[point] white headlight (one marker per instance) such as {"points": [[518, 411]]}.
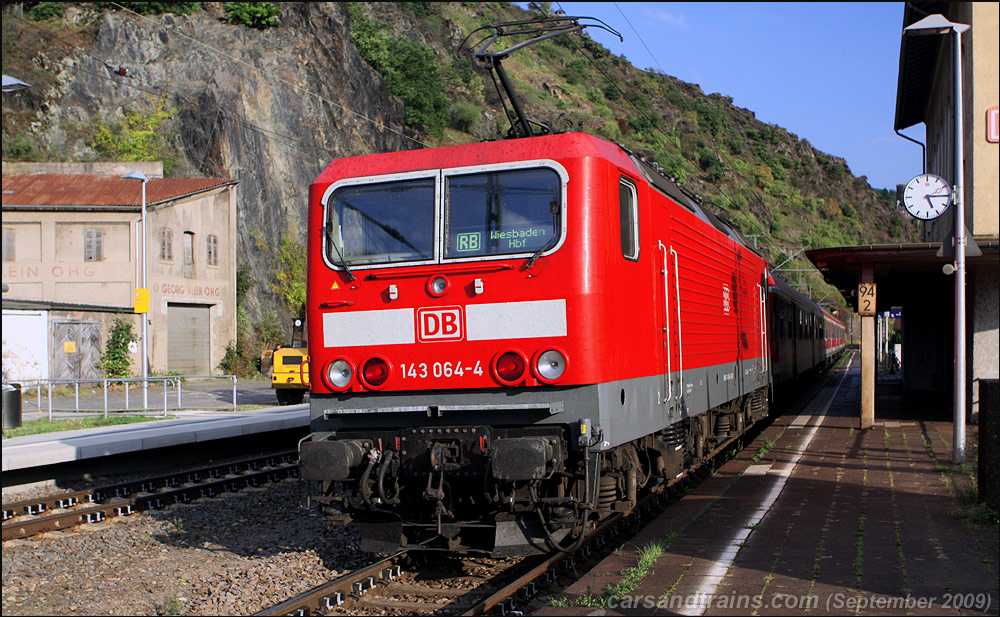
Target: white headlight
{"points": [[339, 373], [550, 365], [439, 285]]}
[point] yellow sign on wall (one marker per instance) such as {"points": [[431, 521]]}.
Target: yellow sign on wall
{"points": [[69, 347], [141, 301]]}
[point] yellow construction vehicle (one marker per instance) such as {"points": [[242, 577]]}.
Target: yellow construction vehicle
{"points": [[290, 373]]}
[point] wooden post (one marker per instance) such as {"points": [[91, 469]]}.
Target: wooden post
{"points": [[867, 311]]}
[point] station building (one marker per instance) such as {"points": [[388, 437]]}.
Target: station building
{"points": [[920, 277], [72, 259]]}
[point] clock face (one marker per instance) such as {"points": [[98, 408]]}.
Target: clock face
{"points": [[927, 196]]}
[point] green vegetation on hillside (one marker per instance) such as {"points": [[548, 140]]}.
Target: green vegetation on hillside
{"points": [[410, 71], [141, 136]]}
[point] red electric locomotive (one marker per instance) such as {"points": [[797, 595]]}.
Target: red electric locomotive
{"points": [[508, 340]]}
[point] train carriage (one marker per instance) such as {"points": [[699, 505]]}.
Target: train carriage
{"points": [[509, 339], [804, 337], [835, 335]]}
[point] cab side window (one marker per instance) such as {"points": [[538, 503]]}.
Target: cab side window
{"points": [[628, 216]]}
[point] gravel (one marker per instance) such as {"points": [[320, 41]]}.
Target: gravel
{"points": [[235, 554]]}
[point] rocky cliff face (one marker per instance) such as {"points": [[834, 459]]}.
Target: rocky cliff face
{"points": [[270, 108]]}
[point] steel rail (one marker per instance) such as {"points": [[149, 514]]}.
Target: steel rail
{"points": [[149, 494], [341, 590]]}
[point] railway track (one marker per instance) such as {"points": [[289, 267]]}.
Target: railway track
{"points": [[424, 582], [26, 518], [427, 582]]}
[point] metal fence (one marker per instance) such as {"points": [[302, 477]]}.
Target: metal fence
{"points": [[132, 395]]}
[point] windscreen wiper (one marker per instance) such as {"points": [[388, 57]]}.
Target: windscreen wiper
{"points": [[328, 228], [554, 209]]}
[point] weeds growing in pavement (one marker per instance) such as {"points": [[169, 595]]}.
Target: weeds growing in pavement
{"points": [[900, 555], [859, 551], [631, 577], [764, 449]]}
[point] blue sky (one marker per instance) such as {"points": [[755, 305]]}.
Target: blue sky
{"points": [[824, 71]]}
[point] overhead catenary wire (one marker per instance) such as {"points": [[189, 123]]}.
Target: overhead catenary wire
{"points": [[656, 127], [655, 124]]}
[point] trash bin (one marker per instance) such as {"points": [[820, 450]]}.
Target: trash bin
{"points": [[11, 405]]}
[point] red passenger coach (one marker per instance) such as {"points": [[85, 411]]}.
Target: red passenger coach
{"points": [[509, 339], [836, 336]]}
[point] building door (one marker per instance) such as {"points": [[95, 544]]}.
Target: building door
{"points": [[25, 345], [188, 339], [76, 350]]}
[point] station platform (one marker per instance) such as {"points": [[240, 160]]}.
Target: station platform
{"points": [[815, 517], [186, 428]]}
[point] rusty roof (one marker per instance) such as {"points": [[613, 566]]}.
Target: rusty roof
{"points": [[60, 191]]}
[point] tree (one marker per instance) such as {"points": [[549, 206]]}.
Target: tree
{"points": [[116, 361]]}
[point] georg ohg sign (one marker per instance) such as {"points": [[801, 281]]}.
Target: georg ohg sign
{"points": [[194, 291], [440, 324]]}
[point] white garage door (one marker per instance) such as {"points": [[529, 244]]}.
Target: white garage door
{"points": [[188, 339]]}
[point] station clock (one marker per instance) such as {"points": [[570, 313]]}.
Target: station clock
{"points": [[927, 196]]}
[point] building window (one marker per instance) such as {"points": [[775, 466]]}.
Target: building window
{"points": [[93, 244], [188, 248], [213, 250], [8, 244], [166, 244], [189, 255]]}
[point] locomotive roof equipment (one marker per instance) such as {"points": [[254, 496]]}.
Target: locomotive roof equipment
{"points": [[539, 29]]}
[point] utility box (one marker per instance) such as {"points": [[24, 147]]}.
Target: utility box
{"points": [[11, 405]]}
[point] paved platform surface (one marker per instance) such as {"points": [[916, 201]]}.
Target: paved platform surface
{"points": [[200, 422], [816, 517]]}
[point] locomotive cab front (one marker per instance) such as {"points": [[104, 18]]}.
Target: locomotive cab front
{"points": [[441, 304]]}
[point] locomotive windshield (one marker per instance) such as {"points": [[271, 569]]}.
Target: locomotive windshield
{"points": [[485, 214], [502, 213], [382, 223]]}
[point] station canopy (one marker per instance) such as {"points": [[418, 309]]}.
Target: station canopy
{"points": [[899, 269]]}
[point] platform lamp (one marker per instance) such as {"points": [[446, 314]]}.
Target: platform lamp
{"points": [[934, 25], [142, 294]]}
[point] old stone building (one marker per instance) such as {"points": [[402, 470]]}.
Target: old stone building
{"points": [[72, 261]]}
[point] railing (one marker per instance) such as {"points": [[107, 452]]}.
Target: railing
{"points": [[230, 377], [111, 399]]}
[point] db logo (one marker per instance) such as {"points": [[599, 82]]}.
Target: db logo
{"points": [[441, 324]]}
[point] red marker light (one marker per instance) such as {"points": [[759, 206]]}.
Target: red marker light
{"points": [[510, 367], [375, 372]]}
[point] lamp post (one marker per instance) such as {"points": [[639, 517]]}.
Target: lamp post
{"points": [[13, 84], [142, 294], [934, 25]]}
